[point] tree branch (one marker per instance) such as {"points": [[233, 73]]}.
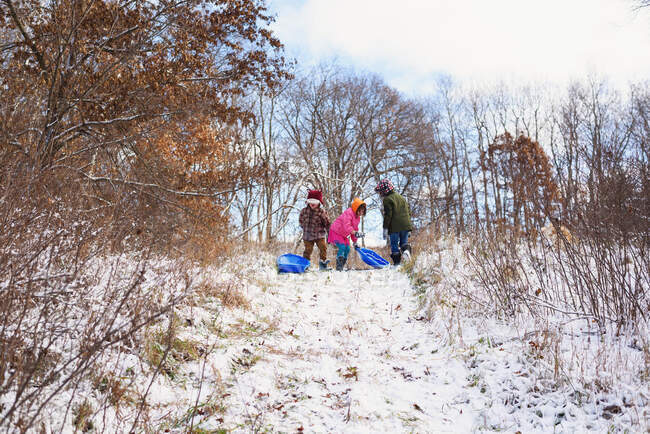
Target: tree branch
{"points": [[28, 40]]}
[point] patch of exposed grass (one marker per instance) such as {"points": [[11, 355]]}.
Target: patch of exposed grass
{"points": [[198, 430], [644, 375], [407, 419], [41, 363], [213, 326], [229, 294], [349, 373], [409, 267], [243, 362], [178, 350], [473, 380], [82, 417], [199, 413], [117, 390], [251, 329]]}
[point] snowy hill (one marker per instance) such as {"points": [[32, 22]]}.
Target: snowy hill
{"points": [[364, 351], [392, 350]]}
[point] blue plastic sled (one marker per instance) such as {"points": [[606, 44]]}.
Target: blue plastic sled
{"points": [[291, 263], [371, 258]]}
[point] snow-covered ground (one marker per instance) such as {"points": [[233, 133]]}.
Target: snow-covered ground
{"points": [[408, 349], [349, 354], [367, 351]]}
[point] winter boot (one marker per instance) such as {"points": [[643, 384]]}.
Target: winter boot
{"points": [[323, 265], [396, 257], [340, 262], [406, 252]]}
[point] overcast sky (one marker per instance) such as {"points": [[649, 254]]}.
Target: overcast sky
{"points": [[411, 42]]}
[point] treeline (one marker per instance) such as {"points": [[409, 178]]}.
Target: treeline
{"points": [[179, 121], [503, 158]]}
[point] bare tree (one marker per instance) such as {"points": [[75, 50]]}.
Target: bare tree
{"points": [[331, 120]]}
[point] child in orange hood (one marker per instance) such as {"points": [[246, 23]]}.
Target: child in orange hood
{"points": [[344, 227]]}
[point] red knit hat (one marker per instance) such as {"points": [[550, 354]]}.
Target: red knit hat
{"points": [[384, 187], [316, 194]]}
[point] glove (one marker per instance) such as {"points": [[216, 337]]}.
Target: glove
{"points": [[359, 234], [385, 235], [356, 246]]}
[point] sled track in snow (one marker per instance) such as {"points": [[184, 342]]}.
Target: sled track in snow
{"points": [[349, 355]]}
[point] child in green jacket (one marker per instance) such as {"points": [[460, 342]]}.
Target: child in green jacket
{"points": [[397, 221]]}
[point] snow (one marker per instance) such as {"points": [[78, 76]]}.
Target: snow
{"points": [[377, 351], [349, 356], [354, 351]]}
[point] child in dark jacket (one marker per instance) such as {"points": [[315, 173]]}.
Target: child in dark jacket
{"points": [[397, 221], [315, 224]]}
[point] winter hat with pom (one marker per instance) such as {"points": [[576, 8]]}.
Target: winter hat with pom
{"points": [[315, 196], [384, 187]]}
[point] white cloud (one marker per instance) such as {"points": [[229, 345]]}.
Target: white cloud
{"points": [[411, 40]]}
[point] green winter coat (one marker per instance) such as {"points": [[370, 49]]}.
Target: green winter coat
{"points": [[397, 215]]}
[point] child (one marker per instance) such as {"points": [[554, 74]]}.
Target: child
{"points": [[346, 225], [315, 224], [397, 221]]}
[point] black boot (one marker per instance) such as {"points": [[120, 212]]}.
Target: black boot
{"points": [[340, 262], [323, 265], [396, 257]]}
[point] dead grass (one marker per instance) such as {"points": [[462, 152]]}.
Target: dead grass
{"points": [[167, 350], [251, 329], [645, 372], [116, 389], [244, 361], [229, 293], [213, 406], [83, 277], [82, 417]]}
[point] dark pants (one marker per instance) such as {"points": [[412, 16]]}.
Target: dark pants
{"points": [[309, 247], [397, 240]]}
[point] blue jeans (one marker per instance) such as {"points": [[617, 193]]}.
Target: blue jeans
{"points": [[397, 240], [343, 250]]}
